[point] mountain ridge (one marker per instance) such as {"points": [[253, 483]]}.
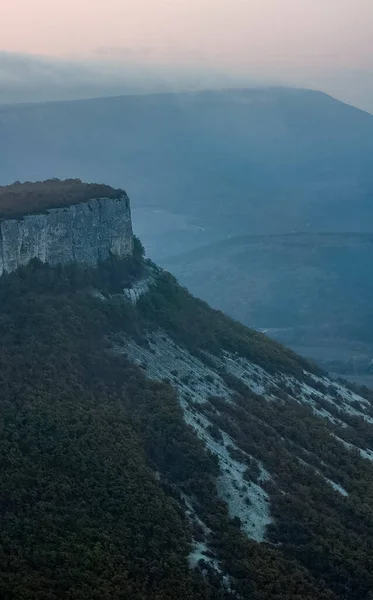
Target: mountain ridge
{"points": [[152, 447], [223, 163], [192, 93], [174, 414]]}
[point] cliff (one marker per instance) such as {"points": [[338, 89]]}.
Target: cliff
{"points": [[87, 233]]}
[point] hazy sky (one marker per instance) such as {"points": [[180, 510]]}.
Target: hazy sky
{"points": [[296, 41]]}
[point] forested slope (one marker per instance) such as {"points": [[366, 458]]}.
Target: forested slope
{"points": [[240, 472]]}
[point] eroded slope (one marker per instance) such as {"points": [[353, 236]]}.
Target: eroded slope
{"points": [[153, 448]]}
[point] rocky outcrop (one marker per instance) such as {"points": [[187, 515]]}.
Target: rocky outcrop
{"points": [[85, 233]]}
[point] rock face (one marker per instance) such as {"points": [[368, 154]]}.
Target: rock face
{"points": [[85, 233]]}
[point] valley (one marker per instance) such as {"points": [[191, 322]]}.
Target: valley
{"points": [[310, 291], [206, 171], [233, 162]]}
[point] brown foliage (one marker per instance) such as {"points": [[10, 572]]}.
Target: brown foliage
{"points": [[19, 199]]}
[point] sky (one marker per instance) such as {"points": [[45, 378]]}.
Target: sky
{"points": [[326, 44]]}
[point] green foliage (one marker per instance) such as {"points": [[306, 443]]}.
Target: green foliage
{"points": [[252, 472], [326, 533], [94, 457], [109, 278], [82, 431]]}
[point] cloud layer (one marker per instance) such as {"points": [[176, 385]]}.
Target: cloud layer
{"points": [[120, 46], [115, 71]]}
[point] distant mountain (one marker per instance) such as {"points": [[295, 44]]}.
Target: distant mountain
{"points": [[201, 166], [312, 291]]}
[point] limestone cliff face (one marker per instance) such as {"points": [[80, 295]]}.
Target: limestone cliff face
{"points": [[86, 233]]}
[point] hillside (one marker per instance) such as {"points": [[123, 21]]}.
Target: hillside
{"points": [[217, 163], [312, 291], [152, 448]]}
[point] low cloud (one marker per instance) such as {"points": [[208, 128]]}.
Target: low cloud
{"points": [[25, 78], [116, 71]]}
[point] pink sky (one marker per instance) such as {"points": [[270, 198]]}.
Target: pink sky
{"points": [[321, 44], [233, 34]]}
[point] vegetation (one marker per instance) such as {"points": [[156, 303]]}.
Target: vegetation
{"points": [[82, 433], [96, 459], [200, 328], [277, 282], [326, 532], [19, 199]]}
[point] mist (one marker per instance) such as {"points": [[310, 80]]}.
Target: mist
{"points": [[27, 78], [115, 71]]}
